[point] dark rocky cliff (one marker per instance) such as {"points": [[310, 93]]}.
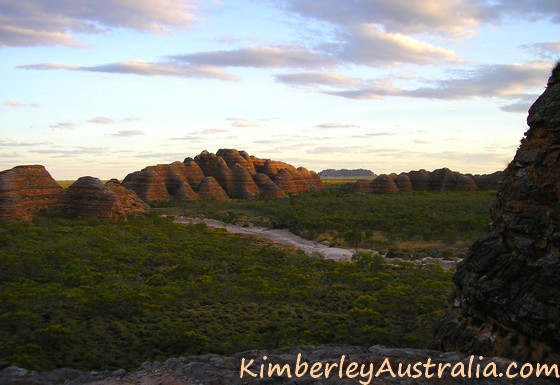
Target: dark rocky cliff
{"points": [[507, 300]]}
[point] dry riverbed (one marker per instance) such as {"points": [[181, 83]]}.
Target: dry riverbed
{"points": [[286, 238]]}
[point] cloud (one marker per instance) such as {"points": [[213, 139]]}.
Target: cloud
{"points": [[128, 133], [161, 155], [201, 135], [454, 17], [373, 135], [528, 10], [257, 57], [13, 103], [371, 45], [422, 141], [521, 105], [338, 150], [21, 144], [316, 78], [56, 22], [242, 123], [141, 68], [545, 50], [64, 125], [101, 120], [78, 151], [508, 81], [336, 125]]}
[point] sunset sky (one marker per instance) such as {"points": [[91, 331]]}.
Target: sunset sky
{"points": [[107, 87]]}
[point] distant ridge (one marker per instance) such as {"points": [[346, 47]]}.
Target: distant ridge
{"points": [[442, 179], [345, 173]]}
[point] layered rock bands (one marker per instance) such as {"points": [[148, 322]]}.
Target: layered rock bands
{"points": [[507, 299], [227, 174], [27, 190], [442, 179]]}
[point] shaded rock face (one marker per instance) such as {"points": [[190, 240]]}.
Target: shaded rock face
{"points": [[213, 369], [442, 179], [507, 300], [420, 180], [211, 189], [489, 181], [164, 182], [88, 197], [128, 201], [238, 175], [404, 183], [446, 180], [25, 191], [384, 184], [242, 185], [267, 186]]}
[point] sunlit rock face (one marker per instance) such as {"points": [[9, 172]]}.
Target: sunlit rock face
{"points": [[507, 300], [25, 191], [237, 174]]}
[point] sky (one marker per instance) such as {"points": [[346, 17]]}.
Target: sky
{"points": [[108, 87]]}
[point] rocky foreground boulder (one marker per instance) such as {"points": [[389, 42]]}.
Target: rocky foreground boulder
{"points": [[220, 370], [507, 300], [226, 174]]}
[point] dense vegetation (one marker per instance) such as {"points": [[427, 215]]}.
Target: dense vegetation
{"points": [[98, 295], [412, 225]]}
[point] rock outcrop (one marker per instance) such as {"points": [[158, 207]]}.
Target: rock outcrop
{"points": [[238, 175], [28, 190], [88, 197], [267, 186], [488, 181], [384, 184], [404, 183], [345, 173], [442, 179], [165, 182], [25, 191], [507, 300], [211, 189], [128, 201], [213, 369]]}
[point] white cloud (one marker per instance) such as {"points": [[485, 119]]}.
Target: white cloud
{"points": [[546, 50], [454, 17], [141, 68], [258, 57], [101, 120], [509, 81], [336, 125], [316, 78], [56, 22], [13, 103], [128, 133], [64, 125], [371, 45], [21, 144], [242, 123], [77, 151], [521, 105]]}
